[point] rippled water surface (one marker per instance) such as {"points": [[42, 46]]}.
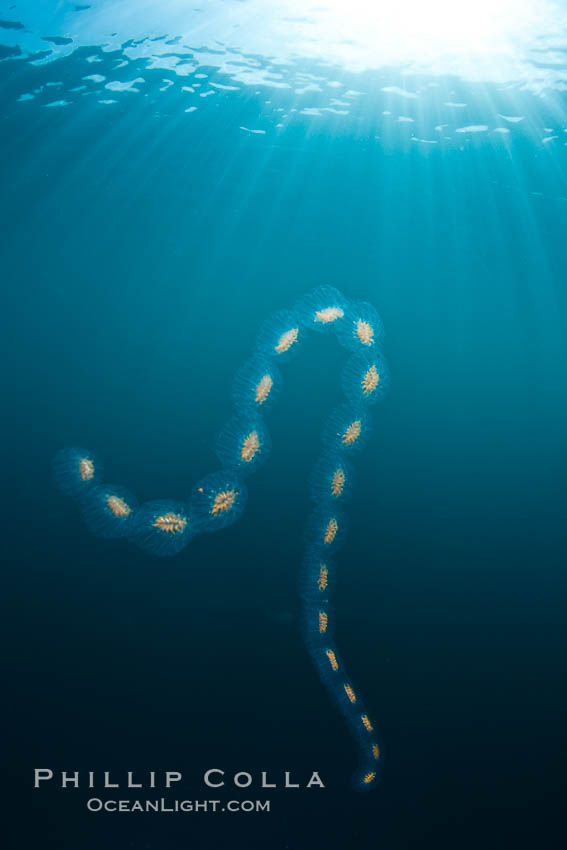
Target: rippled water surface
{"points": [[435, 73]]}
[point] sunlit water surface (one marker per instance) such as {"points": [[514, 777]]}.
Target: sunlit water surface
{"points": [[433, 73]]}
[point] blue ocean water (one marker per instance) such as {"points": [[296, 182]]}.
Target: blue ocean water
{"points": [[143, 245]]}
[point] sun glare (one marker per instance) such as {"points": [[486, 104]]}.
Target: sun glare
{"points": [[482, 38]]}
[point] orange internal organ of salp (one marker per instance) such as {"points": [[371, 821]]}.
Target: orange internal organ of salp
{"points": [[170, 523], [86, 469], [331, 531], [375, 751], [223, 501], [323, 622], [350, 693], [352, 433], [328, 315], [286, 340], [323, 577], [369, 777], [263, 389], [370, 380], [250, 446], [366, 723], [118, 506], [332, 659], [364, 332], [338, 481]]}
